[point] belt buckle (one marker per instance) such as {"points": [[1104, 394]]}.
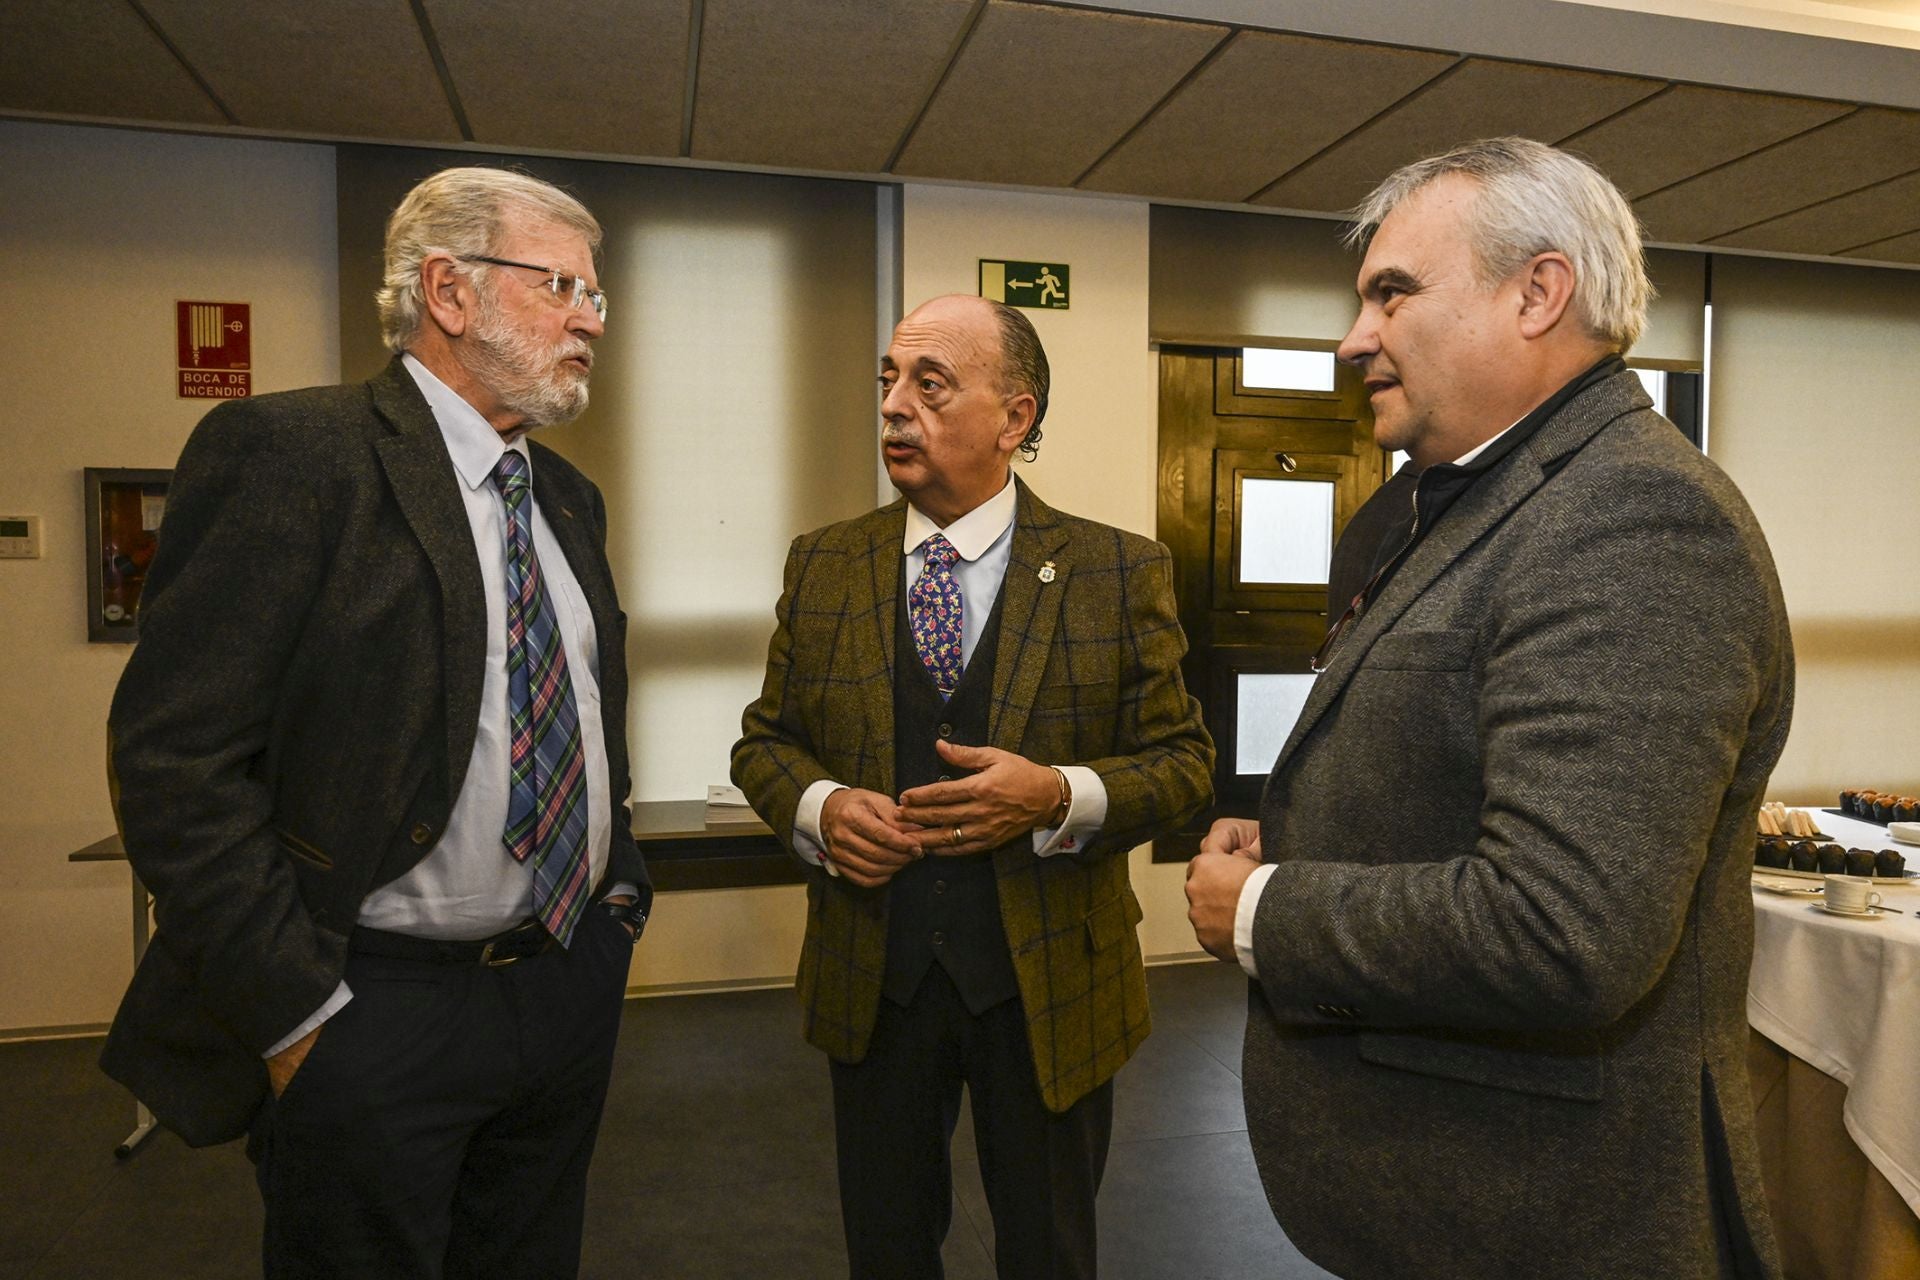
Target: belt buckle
{"points": [[487, 956]]}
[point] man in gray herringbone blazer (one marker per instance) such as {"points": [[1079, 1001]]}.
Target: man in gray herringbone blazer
{"points": [[969, 916], [1496, 903]]}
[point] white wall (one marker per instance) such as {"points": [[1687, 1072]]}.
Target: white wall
{"points": [[1098, 456], [101, 231], [1814, 402]]}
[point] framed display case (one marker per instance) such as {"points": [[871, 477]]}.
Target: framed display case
{"points": [[124, 508]]}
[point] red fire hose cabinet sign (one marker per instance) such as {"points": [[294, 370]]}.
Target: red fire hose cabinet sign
{"points": [[214, 343]]}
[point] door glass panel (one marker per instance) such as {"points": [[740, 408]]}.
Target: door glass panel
{"points": [[1268, 707], [1280, 369], [1655, 381], [1286, 530]]}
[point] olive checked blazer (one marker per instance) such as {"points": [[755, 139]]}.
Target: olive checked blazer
{"points": [[1088, 673]]}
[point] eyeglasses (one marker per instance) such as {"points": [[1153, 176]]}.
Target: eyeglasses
{"points": [[578, 291]]}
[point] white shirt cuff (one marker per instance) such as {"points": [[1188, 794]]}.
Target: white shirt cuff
{"points": [[1243, 916], [335, 1003], [1086, 814], [807, 840]]}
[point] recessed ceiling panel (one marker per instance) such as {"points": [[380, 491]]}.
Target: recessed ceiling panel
{"points": [[1877, 213], [568, 75], [1478, 99], [1267, 103], [93, 58], [818, 84], [358, 68], [1869, 146], [1899, 249], [1038, 94], [1689, 129]]}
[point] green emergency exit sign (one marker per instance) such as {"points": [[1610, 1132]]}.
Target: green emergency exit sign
{"points": [[1025, 284]]}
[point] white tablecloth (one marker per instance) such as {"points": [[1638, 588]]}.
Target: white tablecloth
{"points": [[1844, 995]]}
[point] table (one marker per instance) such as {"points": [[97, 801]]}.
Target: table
{"points": [[111, 850], [1840, 999], [683, 850]]}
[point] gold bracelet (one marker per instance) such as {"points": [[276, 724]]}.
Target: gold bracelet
{"points": [[1066, 793]]}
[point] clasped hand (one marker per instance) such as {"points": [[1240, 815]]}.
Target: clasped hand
{"points": [[1215, 877], [869, 837]]}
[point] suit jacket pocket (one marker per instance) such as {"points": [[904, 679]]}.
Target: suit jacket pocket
{"points": [[1450, 649], [1561, 1064], [1111, 922], [301, 849]]}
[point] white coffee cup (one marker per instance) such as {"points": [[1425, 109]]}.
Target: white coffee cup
{"points": [[1851, 894]]}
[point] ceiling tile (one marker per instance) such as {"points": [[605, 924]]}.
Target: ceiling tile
{"points": [[1478, 99], [1871, 145], [93, 58], [356, 68], [569, 75], [818, 84], [1038, 94], [1690, 129], [1238, 124], [1899, 249], [1881, 211]]}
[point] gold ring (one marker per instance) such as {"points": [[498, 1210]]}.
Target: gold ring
{"points": [[958, 835]]}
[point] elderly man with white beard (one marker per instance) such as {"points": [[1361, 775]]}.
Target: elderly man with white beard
{"points": [[369, 756]]}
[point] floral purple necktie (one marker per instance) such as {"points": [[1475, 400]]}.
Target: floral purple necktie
{"points": [[935, 608]]}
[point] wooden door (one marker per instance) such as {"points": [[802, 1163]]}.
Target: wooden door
{"points": [[1256, 484]]}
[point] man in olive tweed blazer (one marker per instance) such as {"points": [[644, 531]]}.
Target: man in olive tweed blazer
{"points": [[1502, 929], [1084, 672]]}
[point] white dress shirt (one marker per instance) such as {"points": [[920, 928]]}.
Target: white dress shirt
{"points": [[984, 539], [468, 886], [1249, 901]]}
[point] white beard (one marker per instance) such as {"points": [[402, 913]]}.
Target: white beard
{"points": [[529, 379]]}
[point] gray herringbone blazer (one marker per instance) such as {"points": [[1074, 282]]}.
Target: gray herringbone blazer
{"points": [[1501, 1020], [1088, 673]]}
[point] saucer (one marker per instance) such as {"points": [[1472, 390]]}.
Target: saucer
{"points": [[1871, 913]]}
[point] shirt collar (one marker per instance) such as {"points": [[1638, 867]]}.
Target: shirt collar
{"points": [[1486, 444], [472, 443], [973, 533]]}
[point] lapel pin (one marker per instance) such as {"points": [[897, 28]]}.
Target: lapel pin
{"points": [[1046, 572]]}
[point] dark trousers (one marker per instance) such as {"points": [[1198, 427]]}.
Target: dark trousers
{"points": [[893, 1117], [442, 1124]]}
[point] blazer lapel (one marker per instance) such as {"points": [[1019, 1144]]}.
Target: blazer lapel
{"points": [[567, 515], [873, 597], [1482, 508], [1029, 615], [424, 485]]}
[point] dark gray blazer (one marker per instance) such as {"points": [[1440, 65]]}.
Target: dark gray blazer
{"points": [[1500, 1027], [295, 724]]}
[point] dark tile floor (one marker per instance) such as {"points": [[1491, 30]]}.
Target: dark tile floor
{"points": [[715, 1160]]}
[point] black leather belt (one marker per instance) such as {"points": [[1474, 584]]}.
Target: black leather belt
{"points": [[528, 938]]}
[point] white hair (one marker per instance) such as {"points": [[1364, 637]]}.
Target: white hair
{"points": [[1532, 199], [463, 212]]}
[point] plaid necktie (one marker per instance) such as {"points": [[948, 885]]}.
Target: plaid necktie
{"points": [[547, 804], [936, 609]]}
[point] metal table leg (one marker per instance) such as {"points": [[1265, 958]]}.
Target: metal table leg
{"points": [[143, 1122]]}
